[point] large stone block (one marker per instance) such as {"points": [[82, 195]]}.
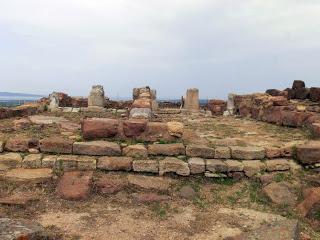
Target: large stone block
{"points": [[216, 166], [95, 128], [175, 128], [136, 151], [97, 97], [134, 127], [315, 94], [156, 131], [21, 144], [10, 160], [200, 151], [115, 163], [150, 183], [309, 153], [277, 165], [192, 100], [86, 163], [173, 165], [97, 148], [141, 113], [38, 175], [56, 145], [253, 167], [173, 149], [248, 153], [151, 166], [197, 165], [234, 166], [32, 161], [142, 103], [66, 163], [222, 153]]}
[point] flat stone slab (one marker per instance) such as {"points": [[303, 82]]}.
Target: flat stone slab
{"points": [[28, 175], [200, 151], [279, 193], [248, 153], [173, 149], [46, 120], [115, 163], [278, 165], [151, 166], [197, 165], [12, 229], [97, 148], [234, 166], [10, 160], [253, 167], [173, 165], [150, 183]]}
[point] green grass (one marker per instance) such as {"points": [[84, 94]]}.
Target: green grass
{"points": [[160, 210]]}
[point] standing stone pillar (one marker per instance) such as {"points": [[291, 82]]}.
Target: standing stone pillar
{"points": [[230, 104], [192, 100], [97, 97], [54, 101]]}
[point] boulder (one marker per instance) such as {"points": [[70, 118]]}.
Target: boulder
{"points": [[248, 153], [200, 151], [97, 97], [280, 194], [56, 145], [22, 229], [173, 165], [21, 144], [277, 165], [222, 153], [175, 129], [150, 183], [136, 151], [309, 153], [75, 185], [38, 175], [115, 163], [32, 161], [134, 127], [173, 149], [216, 166], [197, 165], [151, 166], [311, 198], [95, 128], [97, 148]]}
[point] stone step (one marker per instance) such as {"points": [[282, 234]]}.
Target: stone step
{"points": [[28, 175]]}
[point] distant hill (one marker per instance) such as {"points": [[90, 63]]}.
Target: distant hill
{"points": [[24, 95]]}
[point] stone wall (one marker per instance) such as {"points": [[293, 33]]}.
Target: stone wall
{"points": [[217, 107]]}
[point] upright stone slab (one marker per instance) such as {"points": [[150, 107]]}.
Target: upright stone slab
{"points": [[230, 104], [192, 100], [97, 97]]}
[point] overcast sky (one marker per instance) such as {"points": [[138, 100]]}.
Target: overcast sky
{"points": [[218, 46]]}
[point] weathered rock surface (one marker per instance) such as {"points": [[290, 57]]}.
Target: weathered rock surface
{"points": [[187, 192], [175, 128], [253, 167], [97, 97], [150, 183], [197, 165], [200, 151], [49, 161], [279, 230], [141, 113], [75, 185], [277, 165], [247, 153], [134, 127], [115, 163], [156, 131], [151, 166], [222, 153], [110, 184], [12, 229], [56, 145], [149, 198], [136, 151], [311, 197], [97, 148], [173, 165], [46, 120], [97, 128], [21, 144], [279, 193], [309, 153], [173, 149], [32, 161], [192, 100], [234, 166], [216, 166], [19, 198], [28, 175], [10, 160]]}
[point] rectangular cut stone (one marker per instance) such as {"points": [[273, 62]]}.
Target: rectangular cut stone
{"points": [[192, 100], [86, 163], [97, 128], [216, 166], [253, 167], [278, 165], [115, 163], [309, 153], [32, 161], [56, 145], [173, 165], [234, 166], [196, 165], [151, 166], [49, 161], [200, 151], [156, 131], [97, 148], [248, 153], [136, 151], [173, 149], [222, 153], [67, 162], [273, 152], [10, 160]]}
